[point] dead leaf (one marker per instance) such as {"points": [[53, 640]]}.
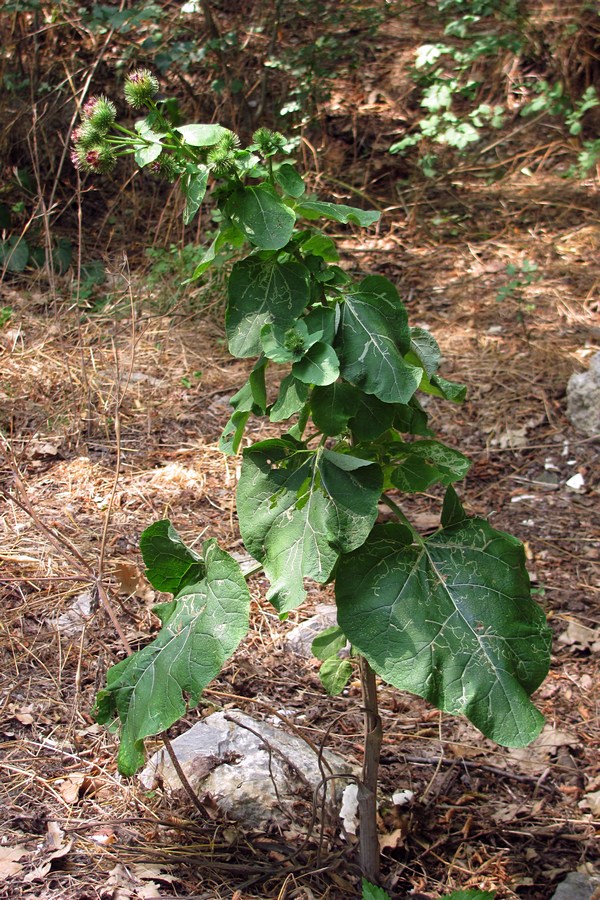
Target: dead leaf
{"points": [[104, 836], [38, 448], [132, 582], [581, 637], [551, 738], [592, 802], [77, 615], [73, 787], [128, 575], [143, 871], [54, 837], [392, 841], [8, 861], [538, 753], [56, 845], [23, 714]]}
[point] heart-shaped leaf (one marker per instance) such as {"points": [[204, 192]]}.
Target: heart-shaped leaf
{"points": [[263, 292], [262, 215], [202, 135], [450, 619], [372, 339]]}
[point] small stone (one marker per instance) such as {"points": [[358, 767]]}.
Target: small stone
{"points": [[78, 614], [575, 482], [583, 399], [299, 639], [576, 886]]}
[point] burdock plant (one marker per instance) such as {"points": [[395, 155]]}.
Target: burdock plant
{"points": [[447, 616]]}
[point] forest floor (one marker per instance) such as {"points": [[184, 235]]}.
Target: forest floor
{"points": [[113, 407], [112, 426]]}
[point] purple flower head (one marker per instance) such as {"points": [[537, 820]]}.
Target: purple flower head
{"points": [[92, 158], [89, 106], [140, 87]]}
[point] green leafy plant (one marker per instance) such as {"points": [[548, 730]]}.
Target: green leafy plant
{"points": [[372, 892], [519, 277], [453, 77], [449, 616]]}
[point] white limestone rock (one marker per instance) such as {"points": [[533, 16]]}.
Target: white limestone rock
{"points": [[583, 399], [253, 771], [299, 639]]}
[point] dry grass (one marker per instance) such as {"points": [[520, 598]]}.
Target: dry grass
{"points": [[106, 435]]}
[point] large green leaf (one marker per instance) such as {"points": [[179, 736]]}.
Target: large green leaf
{"points": [[289, 180], [425, 349], [170, 565], [372, 339], [229, 234], [372, 892], [333, 406], [262, 215], [450, 619], [148, 153], [292, 397], [201, 628], [335, 674], [263, 291], [317, 209], [202, 135], [411, 418], [14, 254], [319, 365], [299, 509], [423, 463], [371, 417]]}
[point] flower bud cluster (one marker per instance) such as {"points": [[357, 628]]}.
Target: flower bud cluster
{"points": [[141, 87], [221, 157], [91, 151], [268, 142]]}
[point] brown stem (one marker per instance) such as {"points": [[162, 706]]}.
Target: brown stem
{"points": [[181, 774], [367, 789]]}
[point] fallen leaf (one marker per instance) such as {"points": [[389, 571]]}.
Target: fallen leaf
{"points": [[55, 837], [77, 615], [393, 840], [23, 714], [104, 836], [8, 861], [38, 448], [128, 575], [538, 753], [58, 847], [592, 802], [71, 787], [581, 637]]}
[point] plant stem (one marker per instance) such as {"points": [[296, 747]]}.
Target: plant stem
{"points": [[367, 788], [396, 509]]}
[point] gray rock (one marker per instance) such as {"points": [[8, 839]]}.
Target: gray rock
{"points": [[299, 639], [576, 886], [254, 771], [78, 614], [583, 398]]}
